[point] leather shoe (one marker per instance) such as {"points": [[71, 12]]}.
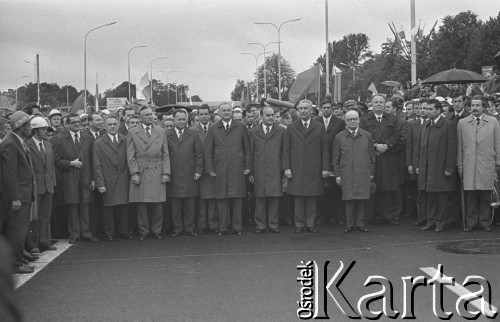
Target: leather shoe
{"points": [[275, 230], [487, 229], [35, 250], [393, 222], [348, 230], [200, 231], [419, 223], [238, 232], [24, 269], [439, 229], [193, 233], [109, 238], [91, 239], [299, 230], [427, 227], [259, 231], [312, 230], [362, 229], [220, 233], [30, 257], [72, 241], [127, 236], [141, 237], [174, 234], [467, 229], [43, 249], [158, 236]]}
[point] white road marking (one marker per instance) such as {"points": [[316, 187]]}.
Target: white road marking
{"points": [[44, 260], [460, 290]]}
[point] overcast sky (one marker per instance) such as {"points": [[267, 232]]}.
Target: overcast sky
{"points": [[203, 39]]}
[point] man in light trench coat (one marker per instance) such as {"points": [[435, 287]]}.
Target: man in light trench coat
{"points": [[149, 166]]}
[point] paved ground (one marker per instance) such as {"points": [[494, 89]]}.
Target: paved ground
{"points": [[248, 278]]}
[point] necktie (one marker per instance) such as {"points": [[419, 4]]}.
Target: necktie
{"points": [[227, 127], [478, 119], [205, 129], [268, 130], [180, 134], [326, 123], [305, 125], [41, 147], [115, 141], [147, 132], [96, 135], [76, 139], [379, 118]]}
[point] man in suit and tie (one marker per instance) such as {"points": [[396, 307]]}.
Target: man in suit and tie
{"points": [[17, 183], [149, 166], [45, 176], [266, 146], [125, 126], [461, 112], [306, 163], [112, 178], [227, 161], [206, 205], [384, 129], [186, 162], [73, 156], [331, 202]]}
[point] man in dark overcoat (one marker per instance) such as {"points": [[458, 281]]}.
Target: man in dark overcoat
{"points": [[227, 159], [45, 177], [72, 152], [331, 201], [353, 159], [384, 131], [149, 166], [266, 146], [18, 190], [186, 162], [112, 178], [437, 160], [206, 218], [306, 163]]}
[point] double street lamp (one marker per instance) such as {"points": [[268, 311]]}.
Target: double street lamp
{"points": [[175, 82], [85, 63], [163, 57], [16, 86], [264, 47], [279, 48], [256, 69], [128, 64], [168, 86]]}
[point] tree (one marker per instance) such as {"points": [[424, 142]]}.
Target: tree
{"points": [[484, 45], [272, 82], [238, 88]]}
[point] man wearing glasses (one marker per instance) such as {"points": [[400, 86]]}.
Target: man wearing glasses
{"points": [[353, 159], [72, 153]]}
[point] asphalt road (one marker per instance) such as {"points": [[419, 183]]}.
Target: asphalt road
{"points": [[244, 278]]}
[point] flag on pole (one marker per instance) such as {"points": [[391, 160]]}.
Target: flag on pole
{"points": [[143, 90], [402, 33], [373, 89], [96, 93], [78, 104], [306, 82]]}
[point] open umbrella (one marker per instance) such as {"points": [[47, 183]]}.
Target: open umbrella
{"points": [[169, 107], [455, 76], [390, 83]]}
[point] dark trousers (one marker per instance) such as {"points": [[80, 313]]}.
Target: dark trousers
{"points": [[436, 206], [132, 218], [183, 214], [144, 220], [386, 204], [454, 213], [304, 211], [96, 219], [78, 220], [411, 197], [223, 211], [44, 203], [331, 207], [477, 204], [421, 209], [206, 216], [109, 219], [355, 212], [266, 212], [14, 225]]}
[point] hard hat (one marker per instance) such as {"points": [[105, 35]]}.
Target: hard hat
{"points": [[38, 122], [54, 112], [18, 119]]}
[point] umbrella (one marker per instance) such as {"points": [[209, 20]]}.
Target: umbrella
{"points": [[497, 55], [390, 83], [169, 107], [455, 76]]}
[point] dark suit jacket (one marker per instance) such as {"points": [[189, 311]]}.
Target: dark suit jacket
{"points": [[335, 126], [17, 173], [43, 166], [454, 118], [207, 190], [122, 129]]}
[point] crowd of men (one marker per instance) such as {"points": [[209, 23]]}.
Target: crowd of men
{"points": [[136, 174]]}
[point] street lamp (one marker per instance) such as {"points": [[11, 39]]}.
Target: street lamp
{"points": [[35, 80], [163, 57], [128, 64], [67, 92], [279, 48], [178, 79], [263, 52], [256, 69], [168, 86], [85, 63], [16, 86]]}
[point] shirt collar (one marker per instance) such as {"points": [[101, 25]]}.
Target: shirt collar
{"points": [[460, 113], [145, 126], [227, 123], [37, 142], [178, 131], [264, 127], [437, 119], [111, 136]]}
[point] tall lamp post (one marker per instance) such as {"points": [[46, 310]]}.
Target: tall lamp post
{"points": [[168, 86], [67, 93], [128, 64], [85, 63], [35, 79], [163, 57], [178, 79], [279, 48], [16, 85], [264, 53], [256, 70]]}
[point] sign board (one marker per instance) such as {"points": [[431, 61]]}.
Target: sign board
{"points": [[114, 102], [487, 69]]}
